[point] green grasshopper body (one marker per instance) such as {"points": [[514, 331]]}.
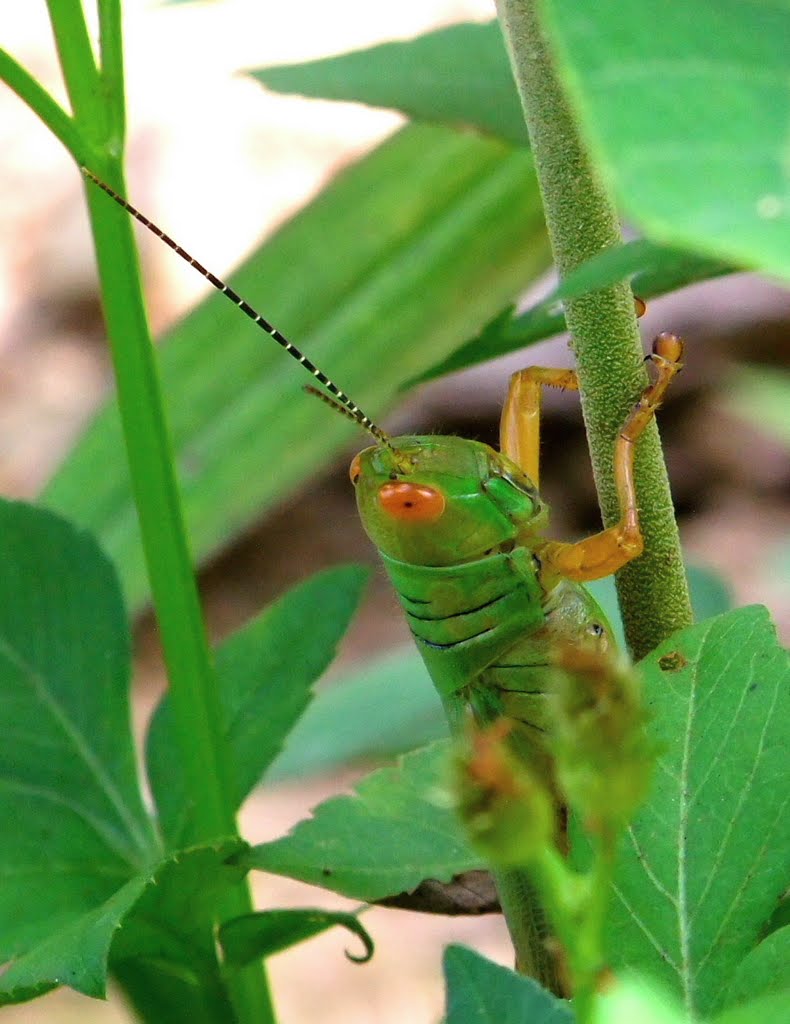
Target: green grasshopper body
{"points": [[460, 529]]}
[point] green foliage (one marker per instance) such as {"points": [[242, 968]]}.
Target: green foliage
{"points": [[687, 115], [437, 232], [396, 830], [248, 938], [440, 231], [458, 75], [764, 971], [479, 992], [265, 673], [708, 855]]}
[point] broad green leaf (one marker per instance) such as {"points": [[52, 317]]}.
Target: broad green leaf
{"points": [[481, 992], [253, 936], [74, 953], [162, 913], [705, 859], [406, 254], [265, 673], [165, 955], [765, 970], [395, 831], [68, 778], [458, 75], [357, 718], [653, 269], [761, 396], [688, 115]]}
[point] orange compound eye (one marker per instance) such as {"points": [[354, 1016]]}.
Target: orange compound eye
{"points": [[355, 470], [412, 503]]}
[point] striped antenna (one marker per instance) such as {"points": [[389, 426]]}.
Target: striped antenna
{"points": [[351, 408]]}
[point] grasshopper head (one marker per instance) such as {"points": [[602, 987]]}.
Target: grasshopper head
{"points": [[443, 500]]}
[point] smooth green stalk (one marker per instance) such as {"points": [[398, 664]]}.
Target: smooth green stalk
{"points": [[582, 221], [94, 136], [197, 711]]}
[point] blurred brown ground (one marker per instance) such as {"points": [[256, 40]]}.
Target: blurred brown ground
{"points": [[218, 162]]}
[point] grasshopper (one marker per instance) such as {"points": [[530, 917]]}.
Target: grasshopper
{"points": [[460, 529]]}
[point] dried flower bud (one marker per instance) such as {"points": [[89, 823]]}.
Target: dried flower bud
{"points": [[510, 815]]}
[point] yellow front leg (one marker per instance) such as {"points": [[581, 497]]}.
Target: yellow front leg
{"points": [[606, 552]]}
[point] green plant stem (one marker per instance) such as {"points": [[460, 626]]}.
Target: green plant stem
{"points": [[80, 73], [95, 135], [582, 221], [49, 110]]}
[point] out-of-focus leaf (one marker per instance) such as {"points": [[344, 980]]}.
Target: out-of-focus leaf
{"points": [[253, 936], [458, 75], [694, 886], [761, 396], [631, 998], [388, 707], [265, 671], [481, 992], [400, 259], [687, 113], [765, 969], [653, 269], [392, 833]]}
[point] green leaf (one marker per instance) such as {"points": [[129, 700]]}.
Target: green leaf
{"points": [[654, 270], [688, 114], [265, 672], [165, 954], [765, 970], [705, 860], [68, 778], [391, 834], [458, 75], [163, 913], [253, 936], [400, 259], [356, 718], [774, 1008], [74, 953], [633, 999], [481, 992], [761, 396]]}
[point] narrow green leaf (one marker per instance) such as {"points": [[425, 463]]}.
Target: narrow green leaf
{"points": [[402, 257], [481, 992], [266, 672], [706, 859], [68, 778], [253, 936], [688, 113], [395, 831], [653, 269], [458, 75], [765, 970], [356, 718]]}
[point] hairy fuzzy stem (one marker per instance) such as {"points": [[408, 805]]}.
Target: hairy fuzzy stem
{"points": [[582, 221]]}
